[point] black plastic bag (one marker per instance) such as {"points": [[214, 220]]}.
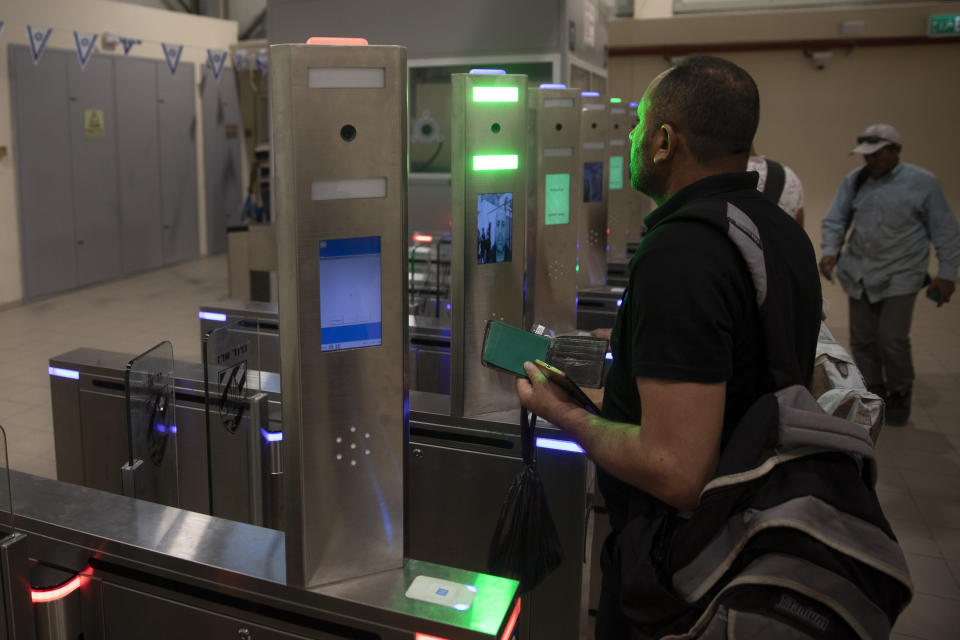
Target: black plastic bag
{"points": [[525, 545]]}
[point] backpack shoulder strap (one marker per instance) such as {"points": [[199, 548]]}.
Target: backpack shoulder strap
{"points": [[862, 176], [776, 181]]}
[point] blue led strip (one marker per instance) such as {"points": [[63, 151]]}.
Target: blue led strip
{"points": [[487, 72], [209, 315], [271, 436], [590, 94], [551, 85], [559, 445], [63, 373]]}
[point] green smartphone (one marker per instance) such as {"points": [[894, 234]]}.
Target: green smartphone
{"points": [[506, 347]]}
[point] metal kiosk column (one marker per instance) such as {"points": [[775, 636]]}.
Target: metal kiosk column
{"points": [[557, 190], [627, 206], [340, 199], [592, 267], [340, 154], [489, 185]]}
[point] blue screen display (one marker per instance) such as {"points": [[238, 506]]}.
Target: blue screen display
{"points": [[350, 315]]}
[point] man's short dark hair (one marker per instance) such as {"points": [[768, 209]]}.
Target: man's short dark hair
{"points": [[713, 102]]}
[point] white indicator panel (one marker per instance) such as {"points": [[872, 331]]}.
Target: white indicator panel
{"points": [[350, 315], [346, 78]]}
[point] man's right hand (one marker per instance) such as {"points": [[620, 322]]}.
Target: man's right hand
{"points": [[827, 265]]}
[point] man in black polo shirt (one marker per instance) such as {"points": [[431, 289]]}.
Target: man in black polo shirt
{"points": [[689, 354]]}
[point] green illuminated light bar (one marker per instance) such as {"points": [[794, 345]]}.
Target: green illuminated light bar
{"points": [[496, 94], [494, 163], [616, 100]]}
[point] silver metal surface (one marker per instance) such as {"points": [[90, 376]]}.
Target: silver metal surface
{"points": [[627, 206], [597, 307], [132, 474], [482, 292], [594, 136], [59, 619], [555, 116], [203, 562], [343, 411], [15, 574]]}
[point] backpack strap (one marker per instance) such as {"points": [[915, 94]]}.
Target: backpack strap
{"points": [[776, 181], [862, 176]]}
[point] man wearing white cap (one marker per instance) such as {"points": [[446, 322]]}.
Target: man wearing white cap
{"points": [[897, 211]]}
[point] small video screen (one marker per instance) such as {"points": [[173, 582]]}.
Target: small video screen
{"points": [[593, 182], [494, 227], [350, 315]]}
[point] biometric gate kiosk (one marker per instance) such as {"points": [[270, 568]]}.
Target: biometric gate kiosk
{"points": [[627, 206], [489, 183], [340, 203], [592, 244], [555, 190]]}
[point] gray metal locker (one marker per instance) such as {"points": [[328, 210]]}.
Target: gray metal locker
{"points": [[138, 163], [94, 155], [42, 150], [222, 131], [177, 129]]}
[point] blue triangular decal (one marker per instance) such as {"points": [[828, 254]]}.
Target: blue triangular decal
{"points": [[84, 42], [39, 36], [172, 53]]}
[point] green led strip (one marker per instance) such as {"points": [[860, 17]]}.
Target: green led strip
{"points": [[495, 163], [496, 94], [616, 100]]}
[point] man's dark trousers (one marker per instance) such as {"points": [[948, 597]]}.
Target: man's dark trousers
{"points": [[880, 340]]}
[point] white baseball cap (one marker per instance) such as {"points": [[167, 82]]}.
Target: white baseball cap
{"points": [[876, 137]]}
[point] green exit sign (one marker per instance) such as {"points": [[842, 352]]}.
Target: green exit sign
{"points": [[945, 25]]}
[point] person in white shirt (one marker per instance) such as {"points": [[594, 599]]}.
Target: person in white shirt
{"points": [[790, 197]]}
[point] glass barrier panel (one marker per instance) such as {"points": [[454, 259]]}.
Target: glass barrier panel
{"points": [[6, 489], [235, 415], [152, 471]]}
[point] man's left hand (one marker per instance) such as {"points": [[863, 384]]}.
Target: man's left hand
{"points": [[542, 397], [944, 287]]}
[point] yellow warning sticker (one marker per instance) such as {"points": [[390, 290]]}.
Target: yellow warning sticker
{"points": [[93, 123]]}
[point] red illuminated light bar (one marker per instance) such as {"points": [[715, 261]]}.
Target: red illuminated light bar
{"points": [[349, 42], [49, 595], [512, 622], [422, 237]]}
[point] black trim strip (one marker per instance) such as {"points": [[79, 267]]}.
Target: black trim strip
{"points": [[484, 441]]}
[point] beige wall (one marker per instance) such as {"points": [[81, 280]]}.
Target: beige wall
{"points": [[150, 25], [809, 119]]}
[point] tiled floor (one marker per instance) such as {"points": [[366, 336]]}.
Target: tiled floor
{"points": [[919, 464]]}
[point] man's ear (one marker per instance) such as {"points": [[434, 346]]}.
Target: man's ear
{"points": [[665, 143]]}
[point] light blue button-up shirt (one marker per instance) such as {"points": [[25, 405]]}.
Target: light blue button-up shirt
{"points": [[895, 219]]}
